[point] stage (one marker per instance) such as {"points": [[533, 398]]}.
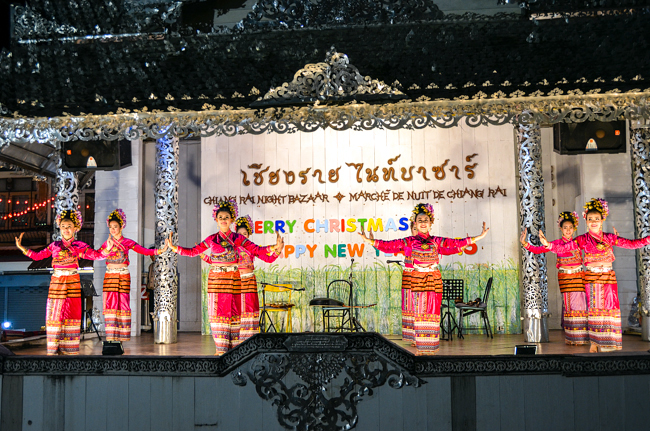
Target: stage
{"points": [[326, 381], [195, 344]]}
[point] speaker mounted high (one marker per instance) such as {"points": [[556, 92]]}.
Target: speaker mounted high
{"points": [[590, 137], [96, 155]]}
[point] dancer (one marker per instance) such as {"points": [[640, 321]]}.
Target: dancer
{"points": [[250, 303], [570, 278], [63, 312], [604, 317], [422, 301], [408, 332], [117, 281], [224, 282]]}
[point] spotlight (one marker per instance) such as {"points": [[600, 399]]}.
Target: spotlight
{"points": [[6, 325]]}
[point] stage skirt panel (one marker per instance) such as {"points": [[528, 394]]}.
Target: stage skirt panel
{"points": [[604, 310], [575, 314], [117, 307], [224, 309], [63, 313], [250, 307], [421, 303]]}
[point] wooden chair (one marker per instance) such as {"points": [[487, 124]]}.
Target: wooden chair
{"points": [[481, 307], [267, 324]]}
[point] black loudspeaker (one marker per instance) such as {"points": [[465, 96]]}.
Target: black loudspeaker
{"points": [[525, 349], [112, 348], [590, 137], [96, 155]]}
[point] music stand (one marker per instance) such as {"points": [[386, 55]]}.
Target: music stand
{"points": [[88, 290], [451, 290]]}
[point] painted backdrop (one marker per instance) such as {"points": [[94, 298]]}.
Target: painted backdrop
{"points": [[319, 189]]}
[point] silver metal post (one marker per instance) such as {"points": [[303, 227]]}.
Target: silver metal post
{"points": [[640, 142], [166, 265], [66, 192], [531, 216]]}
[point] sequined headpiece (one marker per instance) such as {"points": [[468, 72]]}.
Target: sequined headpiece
{"points": [[246, 222], [568, 216], [423, 208], [596, 204], [118, 216], [72, 215], [229, 205]]}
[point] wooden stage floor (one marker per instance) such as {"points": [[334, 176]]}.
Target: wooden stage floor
{"points": [[195, 344]]}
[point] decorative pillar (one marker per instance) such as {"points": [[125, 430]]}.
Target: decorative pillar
{"points": [[66, 192], [640, 142], [531, 216], [166, 265]]}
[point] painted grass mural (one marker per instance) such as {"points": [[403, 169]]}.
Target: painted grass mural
{"points": [[380, 284]]}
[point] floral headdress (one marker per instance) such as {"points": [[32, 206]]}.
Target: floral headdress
{"points": [[229, 205], [118, 216], [423, 208], [568, 216], [596, 204], [246, 222], [73, 215]]}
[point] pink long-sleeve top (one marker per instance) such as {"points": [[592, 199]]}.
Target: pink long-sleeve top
{"points": [[66, 254], [600, 249], [225, 249], [119, 254], [421, 249], [572, 257]]}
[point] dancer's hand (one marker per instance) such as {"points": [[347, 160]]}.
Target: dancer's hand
{"points": [[522, 238], [109, 243], [482, 235], [370, 238], [543, 239], [19, 241], [615, 231], [279, 243], [163, 248], [168, 241]]}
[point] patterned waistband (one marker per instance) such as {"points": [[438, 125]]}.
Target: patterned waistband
{"points": [[417, 268], [599, 269], [62, 272], [248, 275], [218, 268], [124, 270], [570, 271]]}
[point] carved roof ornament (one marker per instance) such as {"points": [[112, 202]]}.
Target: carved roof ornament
{"points": [[291, 14], [334, 80]]}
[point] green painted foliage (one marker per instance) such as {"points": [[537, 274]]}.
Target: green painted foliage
{"points": [[380, 284]]}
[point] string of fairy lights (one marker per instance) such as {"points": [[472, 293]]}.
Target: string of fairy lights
{"points": [[32, 208]]}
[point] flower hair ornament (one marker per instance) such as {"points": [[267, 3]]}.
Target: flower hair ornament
{"points": [[73, 215], [568, 216], [229, 205], [423, 208], [596, 204], [117, 215], [246, 222]]}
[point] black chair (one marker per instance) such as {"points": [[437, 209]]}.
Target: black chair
{"points": [[337, 307], [452, 290], [481, 307]]}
